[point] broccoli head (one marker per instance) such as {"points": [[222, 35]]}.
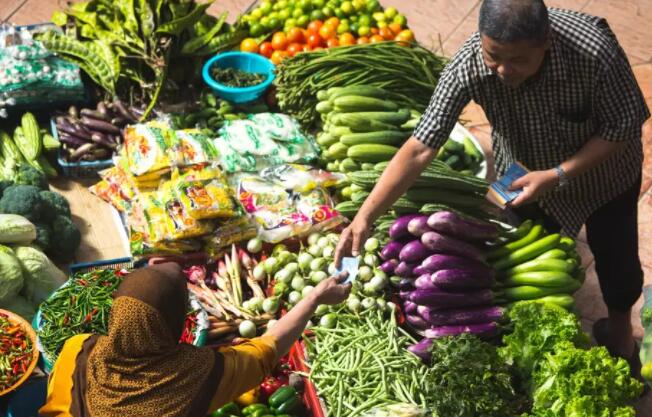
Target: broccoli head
{"points": [[28, 175], [55, 205], [4, 184], [67, 238], [43, 236], [23, 200]]}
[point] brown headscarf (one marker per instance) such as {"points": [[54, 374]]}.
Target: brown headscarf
{"points": [[140, 369]]}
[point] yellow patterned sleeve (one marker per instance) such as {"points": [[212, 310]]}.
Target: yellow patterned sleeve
{"points": [[245, 367]]}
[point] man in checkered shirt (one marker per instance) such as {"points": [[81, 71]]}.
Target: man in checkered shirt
{"points": [[561, 98]]}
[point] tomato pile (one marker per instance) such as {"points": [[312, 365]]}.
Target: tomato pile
{"points": [[310, 25]]}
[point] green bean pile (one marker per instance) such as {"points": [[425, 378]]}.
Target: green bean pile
{"points": [[361, 364], [82, 306], [409, 73]]}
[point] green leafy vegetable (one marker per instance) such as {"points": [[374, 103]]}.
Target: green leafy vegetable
{"points": [[575, 382], [537, 329]]}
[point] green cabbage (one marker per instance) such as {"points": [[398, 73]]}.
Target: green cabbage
{"points": [[42, 276], [11, 275], [16, 229], [19, 305]]}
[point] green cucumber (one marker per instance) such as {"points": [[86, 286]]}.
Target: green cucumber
{"points": [[388, 137], [506, 249], [528, 252], [537, 264], [539, 279], [345, 104]]}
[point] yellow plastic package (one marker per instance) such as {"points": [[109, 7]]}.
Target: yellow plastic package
{"points": [[192, 148], [147, 146], [204, 193]]}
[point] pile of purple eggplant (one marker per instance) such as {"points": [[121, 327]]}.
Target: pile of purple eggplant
{"points": [[94, 134], [445, 283]]}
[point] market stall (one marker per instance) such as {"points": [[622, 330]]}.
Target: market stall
{"points": [[240, 151]]}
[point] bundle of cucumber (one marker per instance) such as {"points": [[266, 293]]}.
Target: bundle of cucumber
{"points": [[534, 265], [464, 157], [361, 125], [438, 188]]}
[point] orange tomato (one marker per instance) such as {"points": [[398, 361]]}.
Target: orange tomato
{"points": [[315, 40], [375, 31], [295, 35], [315, 25], [266, 49], [396, 28], [249, 45], [294, 49], [279, 41], [332, 43], [405, 36], [376, 39], [333, 22], [327, 32], [307, 48], [386, 33], [278, 56], [347, 39], [362, 40]]}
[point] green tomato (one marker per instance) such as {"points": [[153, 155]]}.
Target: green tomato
{"points": [[372, 6], [273, 15], [282, 4], [257, 29], [379, 17], [358, 5], [284, 14], [347, 7], [328, 12], [318, 4], [343, 28], [339, 13], [251, 19], [297, 13], [266, 7], [391, 12], [364, 20], [354, 27], [305, 4], [353, 18], [290, 23], [364, 31], [303, 21], [264, 22], [317, 15], [400, 19], [382, 25], [274, 23]]}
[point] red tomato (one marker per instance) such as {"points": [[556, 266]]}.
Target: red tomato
{"points": [[315, 25], [327, 32], [294, 48], [386, 33], [347, 39], [295, 35], [266, 49], [332, 43], [279, 41], [314, 40]]}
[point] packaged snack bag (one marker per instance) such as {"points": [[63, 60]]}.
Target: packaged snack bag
{"points": [[146, 147], [205, 199], [227, 232], [301, 178], [179, 222], [192, 148]]}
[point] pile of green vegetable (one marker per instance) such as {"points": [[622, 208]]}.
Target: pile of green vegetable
{"points": [[28, 147], [29, 196], [565, 378], [233, 77], [464, 157], [411, 77], [138, 50]]}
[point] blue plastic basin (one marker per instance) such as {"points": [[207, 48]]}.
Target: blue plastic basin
{"points": [[244, 61]]}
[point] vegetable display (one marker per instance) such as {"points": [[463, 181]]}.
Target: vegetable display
{"points": [[233, 77], [16, 352]]}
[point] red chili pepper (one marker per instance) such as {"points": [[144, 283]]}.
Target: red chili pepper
{"points": [[83, 283], [15, 369], [66, 319]]}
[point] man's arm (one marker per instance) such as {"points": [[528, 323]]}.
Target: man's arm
{"points": [[537, 183]]}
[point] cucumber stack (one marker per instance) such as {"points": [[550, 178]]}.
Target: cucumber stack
{"points": [[534, 265], [361, 125], [463, 157]]}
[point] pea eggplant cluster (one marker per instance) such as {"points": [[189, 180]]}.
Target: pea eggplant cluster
{"points": [[94, 134]]}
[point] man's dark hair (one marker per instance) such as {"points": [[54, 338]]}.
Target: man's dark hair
{"points": [[509, 21]]}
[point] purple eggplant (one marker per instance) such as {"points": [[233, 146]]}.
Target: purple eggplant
{"points": [[439, 243], [443, 299], [391, 250], [460, 279], [418, 226], [389, 266], [128, 114], [406, 284], [71, 140], [410, 308], [422, 350], [102, 139], [95, 114], [434, 263], [405, 269], [414, 251], [467, 229], [99, 125], [69, 128], [399, 228], [460, 316], [420, 270], [416, 321], [405, 294], [83, 150], [424, 282], [480, 330]]}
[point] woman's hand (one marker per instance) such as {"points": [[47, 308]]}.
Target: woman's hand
{"points": [[352, 239], [331, 291]]}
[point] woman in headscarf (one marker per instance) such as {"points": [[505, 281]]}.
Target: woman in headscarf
{"points": [[140, 369]]}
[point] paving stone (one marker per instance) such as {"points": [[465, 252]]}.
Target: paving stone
{"points": [[35, 11], [8, 8]]}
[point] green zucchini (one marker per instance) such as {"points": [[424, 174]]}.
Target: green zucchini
{"points": [[536, 265], [504, 250], [539, 279], [352, 120], [389, 137], [371, 153], [528, 252], [345, 104], [529, 292], [356, 90]]}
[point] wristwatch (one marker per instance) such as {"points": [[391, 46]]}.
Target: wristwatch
{"points": [[561, 174]]}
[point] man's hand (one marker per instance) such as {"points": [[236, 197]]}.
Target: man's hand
{"points": [[352, 240], [331, 291], [534, 185]]}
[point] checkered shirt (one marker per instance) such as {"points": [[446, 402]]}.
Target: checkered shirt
{"points": [[584, 89]]}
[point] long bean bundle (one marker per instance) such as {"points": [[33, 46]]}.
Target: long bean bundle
{"points": [[409, 73], [82, 306], [362, 364]]}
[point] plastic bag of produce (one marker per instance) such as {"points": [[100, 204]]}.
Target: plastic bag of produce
{"points": [[41, 275], [646, 346], [11, 275], [318, 207], [279, 127], [301, 178], [247, 138], [147, 147]]}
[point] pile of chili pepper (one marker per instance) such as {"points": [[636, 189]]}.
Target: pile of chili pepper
{"points": [[82, 306], [189, 328], [16, 352]]}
